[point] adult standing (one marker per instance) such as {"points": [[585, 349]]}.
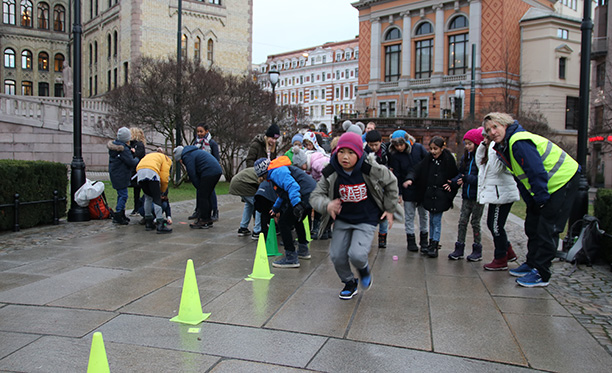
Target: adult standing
{"points": [[264, 146], [204, 141], [137, 144], [121, 161], [204, 172], [547, 179]]}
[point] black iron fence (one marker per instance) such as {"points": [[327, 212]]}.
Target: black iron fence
{"points": [[17, 203]]}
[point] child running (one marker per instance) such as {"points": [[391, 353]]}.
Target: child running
{"points": [[468, 178], [433, 181], [357, 193]]}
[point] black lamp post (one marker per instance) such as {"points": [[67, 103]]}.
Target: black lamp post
{"points": [[179, 110], [77, 167], [273, 76], [459, 97]]}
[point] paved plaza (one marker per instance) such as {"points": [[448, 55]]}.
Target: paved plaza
{"points": [[60, 284]]}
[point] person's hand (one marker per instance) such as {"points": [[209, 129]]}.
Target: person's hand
{"points": [[446, 186], [389, 216], [407, 183], [334, 208], [299, 211]]}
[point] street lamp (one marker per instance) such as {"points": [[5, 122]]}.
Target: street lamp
{"points": [[273, 76], [459, 96]]}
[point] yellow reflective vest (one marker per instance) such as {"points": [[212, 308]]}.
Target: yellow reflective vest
{"points": [[560, 166]]}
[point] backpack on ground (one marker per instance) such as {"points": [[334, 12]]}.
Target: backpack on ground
{"points": [[581, 245], [98, 208]]}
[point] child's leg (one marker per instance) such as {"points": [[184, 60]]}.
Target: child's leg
{"points": [[285, 223], [464, 217], [339, 250], [409, 212], [435, 226], [360, 244], [383, 226], [122, 197], [247, 211], [423, 218], [477, 211]]}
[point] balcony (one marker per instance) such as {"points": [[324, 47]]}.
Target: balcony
{"points": [[599, 48]]}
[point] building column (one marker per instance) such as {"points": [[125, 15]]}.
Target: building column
{"points": [[406, 47], [375, 58], [438, 64], [475, 33]]}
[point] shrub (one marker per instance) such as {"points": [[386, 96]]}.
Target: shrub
{"points": [[33, 181]]}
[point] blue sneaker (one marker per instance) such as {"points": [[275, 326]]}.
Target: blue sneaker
{"points": [[350, 290], [366, 278], [532, 280], [521, 271]]}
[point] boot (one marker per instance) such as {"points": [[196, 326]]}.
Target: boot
{"points": [[215, 215], [411, 243], [125, 217], [423, 241], [290, 260], [194, 215], [382, 240], [425, 248], [314, 231], [303, 252], [119, 218], [432, 251], [149, 223], [511, 255], [458, 253], [162, 228], [476, 254], [497, 265]]}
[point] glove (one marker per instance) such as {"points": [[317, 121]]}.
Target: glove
{"points": [[299, 211]]}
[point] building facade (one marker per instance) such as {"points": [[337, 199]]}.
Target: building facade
{"points": [[322, 80], [216, 33], [418, 56]]}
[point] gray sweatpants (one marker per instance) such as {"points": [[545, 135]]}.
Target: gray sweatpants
{"points": [[350, 244]]}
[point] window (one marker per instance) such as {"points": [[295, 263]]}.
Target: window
{"points": [[59, 18], [184, 47], [26, 88], [8, 17], [216, 2], [90, 54], [571, 113], [43, 89], [598, 120], [392, 62], [9, 87], [424, 29], [570, 3], [423, 58], [458, 23], [9, 58], [26, 13], [387, 109], [562, 65], [26, 60], [115, 72], [197, 45], [43, 16], [346, 93], [95, 85], [109, 46], [457, 54], [58, 90], [59, 63], [95, 52], [393, 34], [210, 50], [323, 76], [600, 77], [108, 80], [115, 40], [43, 62], [563, 34], [125, 72], [338, 93]]}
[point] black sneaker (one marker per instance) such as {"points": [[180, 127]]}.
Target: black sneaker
{"points": [[243, 232], [350, 289], [255, 236]]}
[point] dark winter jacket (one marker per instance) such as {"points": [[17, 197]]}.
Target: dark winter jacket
{"points": [[199, 164], [258, 150], [292, 184], [382, 156], [245, 183], [402, 164], [120, 164], [468, 171], [430, 175]]}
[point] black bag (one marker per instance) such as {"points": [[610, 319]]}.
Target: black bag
{"points": [[582, 242]]}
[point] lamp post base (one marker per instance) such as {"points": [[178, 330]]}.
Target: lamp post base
{"points": [[77, 179]]}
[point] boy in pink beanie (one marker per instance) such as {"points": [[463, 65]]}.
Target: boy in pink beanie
{"points": [[356, 192]]}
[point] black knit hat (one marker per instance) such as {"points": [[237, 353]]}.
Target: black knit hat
{"points": [[273, 131]]}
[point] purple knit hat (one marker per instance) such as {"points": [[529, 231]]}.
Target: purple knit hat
{"points": [[352, 141], [474, 135]]}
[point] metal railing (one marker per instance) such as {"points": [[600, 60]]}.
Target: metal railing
{"points": [[17, 203]]}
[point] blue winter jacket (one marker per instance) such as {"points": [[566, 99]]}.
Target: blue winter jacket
{"points": [[199, 163], [293, 185], [120, 164], [468, 171]]}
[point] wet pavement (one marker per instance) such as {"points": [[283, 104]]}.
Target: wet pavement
{"points": [[60, 284]]}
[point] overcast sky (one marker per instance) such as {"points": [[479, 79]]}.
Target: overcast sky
{"points": [[286, 25]]}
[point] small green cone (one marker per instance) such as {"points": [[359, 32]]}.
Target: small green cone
{"points": [[261, 266], [307, 229], [272, 242]]}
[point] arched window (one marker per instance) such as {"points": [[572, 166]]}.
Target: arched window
{"points": [[9, 87], [458, 22], [210, 50], [393, 34], [43, 16], [95, 52], [184, 41], [109, 46], [424, 29], [26, 13], [115, 41], [43, 89], [8, 13], [59, 63], [26, 60], [197, 49], [9, 58], [59, 18], [43, 61], [90, 54], [26, 88]]}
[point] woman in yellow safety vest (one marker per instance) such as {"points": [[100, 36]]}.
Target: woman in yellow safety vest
{"points": [[548, 180]]}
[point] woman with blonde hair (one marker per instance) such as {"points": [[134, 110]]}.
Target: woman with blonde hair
{"points": [[137, 144]]}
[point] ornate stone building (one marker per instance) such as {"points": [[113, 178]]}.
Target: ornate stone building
{"points": [[116, 34]]}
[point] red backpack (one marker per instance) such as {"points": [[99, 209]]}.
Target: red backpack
{"points": [[98, 208]]}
